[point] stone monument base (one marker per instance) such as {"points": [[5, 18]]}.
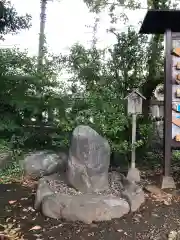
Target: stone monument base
{"points": [[167, 182]]}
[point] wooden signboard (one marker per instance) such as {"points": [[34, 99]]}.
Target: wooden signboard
{"points": [[135, 99], [167, 23], [175, 89]]}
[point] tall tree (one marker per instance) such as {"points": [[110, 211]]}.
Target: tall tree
{"points": [[105, 77], [155, 60], [99, 5], [20, 80], [41, 50]]}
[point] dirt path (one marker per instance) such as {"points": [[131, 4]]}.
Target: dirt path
{"points": [[151, 222]]}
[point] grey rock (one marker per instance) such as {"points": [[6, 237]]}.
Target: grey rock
{"points": [[134, 175], [132, 193], [129, 185], [157, 137], [87, 208], [45, 162], [89, 160], [135, 200], [128, 190], [5, 159], [43, 190]]}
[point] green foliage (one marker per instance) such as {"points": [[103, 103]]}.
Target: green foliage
{"points": [[12, 173], [162, 4], [99, 5], [128, 59], [10, 21], [10, 170], [101, 80], [176, 156], [4, 146], [26, 93]]}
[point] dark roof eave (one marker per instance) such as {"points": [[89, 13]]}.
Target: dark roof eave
{"points": [[158, 21]]}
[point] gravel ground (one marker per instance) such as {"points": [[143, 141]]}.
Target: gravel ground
{"points": [[115, 185]]}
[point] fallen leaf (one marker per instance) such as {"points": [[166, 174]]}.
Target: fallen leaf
{"points": [[90, 234], [155, 215], [12, 201], [35, 228], [120, 230], [7, 219], [38, 236], [25, 210], [154, 190], [167, 203], [31, 209], [136, 219], [24, 198]]}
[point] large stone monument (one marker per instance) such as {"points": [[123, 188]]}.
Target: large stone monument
{"points": [[89, 159]]}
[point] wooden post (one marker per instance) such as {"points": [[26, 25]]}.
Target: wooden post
{"points": [[133, 152], [134, 107], [166, 23], [167, 180], [168, 104], [158, 115]]}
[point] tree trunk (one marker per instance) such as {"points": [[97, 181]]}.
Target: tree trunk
{"points": [[41, 50], [42, 33]]}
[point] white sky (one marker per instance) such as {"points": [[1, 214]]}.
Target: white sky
{"points": [[66, 24]]}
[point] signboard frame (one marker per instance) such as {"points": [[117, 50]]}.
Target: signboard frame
{"points": [[167, 24]]}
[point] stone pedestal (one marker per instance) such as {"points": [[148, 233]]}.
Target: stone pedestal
{"points": [[167, 182]]}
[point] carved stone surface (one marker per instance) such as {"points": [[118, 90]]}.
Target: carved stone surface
{"points": [[89, 160]]}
